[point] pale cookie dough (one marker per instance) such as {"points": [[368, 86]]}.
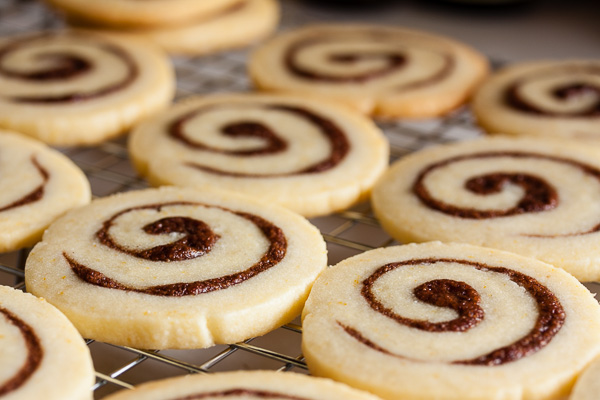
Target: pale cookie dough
{"points": [[237, 26], [43, 356], [450, 322], [312, 157], [176, 268], [542, 99], [142, 13], [587, 386], [78, 87], [536, 198], [385, 71], [37, 185], [244, 385]]}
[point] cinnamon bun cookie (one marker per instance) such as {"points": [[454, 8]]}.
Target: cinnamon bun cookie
{"points": [[542, 99], [37, 185], [244, 385], [80, 87], [539, 199], [176, 268], [385, 71], [312, 157], [43, 356], [450, 322], [238, 25]]}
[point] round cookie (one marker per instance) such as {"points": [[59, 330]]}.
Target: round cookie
{"points": [[312, 157], [539, 199], [38, 185], [176, 268], [43, 356], [385, 71], [237, 26], [244, 384], [80, 87], [449, 322], [587, 386], [149, 13], [542, 99]]}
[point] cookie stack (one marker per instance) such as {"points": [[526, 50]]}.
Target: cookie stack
{"points": [[179, 26]]}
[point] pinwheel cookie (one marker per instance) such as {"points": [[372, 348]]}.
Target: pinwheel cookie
{"points": [[542, 99], [244, 384], [236, 26], [540, 199], [386, 71], [309, 156], [37, 185], [43, 356], [450, 322], [587, 386], [79, 87], [176, 268]]}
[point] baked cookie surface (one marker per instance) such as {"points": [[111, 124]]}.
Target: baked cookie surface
{"points": [[587, 386], [79, 87], [236, 26], [531, 197], [43, 356], [244, 384], [542, 99], [312, 157], [38, 185], [450, 321], [149, 13], [385, 71], [176, 268]]}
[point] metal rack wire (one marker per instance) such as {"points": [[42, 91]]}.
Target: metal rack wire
{"points": [[109, 171]]}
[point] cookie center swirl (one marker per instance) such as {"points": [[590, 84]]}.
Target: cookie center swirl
{"points": [[360, 64], [198, 240], [272, 142], [465, 300], [49, 63], [36, 194], [34, 356], [241, 392], [576, 94], [61, 66], [538, 195]]}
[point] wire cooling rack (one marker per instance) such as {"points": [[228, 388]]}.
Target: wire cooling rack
{"points": [[108, 168]]}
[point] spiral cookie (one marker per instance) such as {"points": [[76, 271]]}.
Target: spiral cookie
{"points": [[310, 156], [37, 185], [389, 72], [244, 385], [542, 99], [539, 199], [242, 23], [450, 321], [146, 13], [587, 386], [77, 87], [43, 356], [176, 268]]}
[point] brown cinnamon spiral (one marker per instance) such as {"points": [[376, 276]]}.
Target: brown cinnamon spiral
{"points": [[272, 143], [465, 301], [39, 63], [197, 239], [35, 353], [560, 91]]}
